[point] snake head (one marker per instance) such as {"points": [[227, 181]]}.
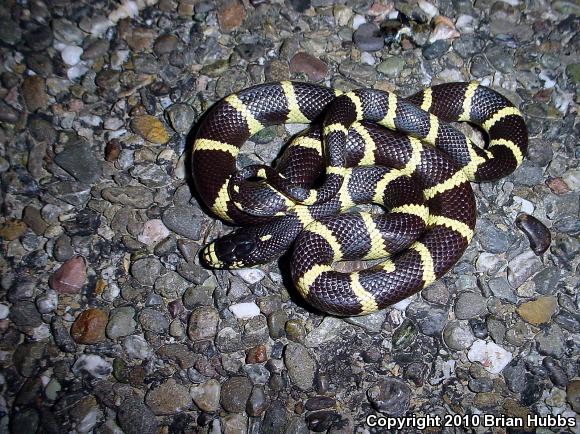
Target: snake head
{"points": [[231, 251]]}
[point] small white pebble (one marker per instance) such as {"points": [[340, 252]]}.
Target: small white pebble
{"points": [[358, 21], [250, 275], [245, 310], [71, 54], [492, 357], [465, 23], [430, 9], [4, 311], [367, 58]]}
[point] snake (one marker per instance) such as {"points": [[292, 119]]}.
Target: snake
{"points": [[364, 146]]}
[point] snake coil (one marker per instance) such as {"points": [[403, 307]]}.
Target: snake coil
{"points": [[364, 146]]}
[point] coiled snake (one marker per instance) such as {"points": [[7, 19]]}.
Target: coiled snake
{"points": [[362, 146]]}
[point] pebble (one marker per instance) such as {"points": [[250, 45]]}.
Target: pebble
{"points": [[235, 392], [573, 395], [245, 310], [301, 366], [522, 267], [390, 396], [257, 403], [168, 398], [153, 231], [34, 93], [391, 67], [469, 305], [538, 311], [435, 50], [61, 335], [150, 128], [207, 395], [551, 341], [70, 277], [136, 347], [183, 221], [71, 55], [47, 302], [538, 234], [234, 424], [430, 319], [372, 323], [275, 419], [367, 37], [230, 15], [154, 321], [328, 330], [492, 357], [79, 161], [203, 323], [458, 336], [121, 322], [136, 418], [89, 327], [181, 117], [93, 365], [314, 68], [250, 275]]}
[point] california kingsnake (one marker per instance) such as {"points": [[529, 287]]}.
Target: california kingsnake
{"points": [[419, 167]]}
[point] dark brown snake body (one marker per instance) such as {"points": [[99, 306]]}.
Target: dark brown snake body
{"points": [[365, 146]]}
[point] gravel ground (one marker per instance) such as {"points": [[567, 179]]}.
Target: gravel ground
{"points": [[109, 324]]}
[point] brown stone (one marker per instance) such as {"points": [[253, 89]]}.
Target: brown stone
{"points": [[70, 277], [34, 93], [112, 150], [256, 354], [558, 186], [305, 63], [538, 311], [140, 38], [12, 229], [89, 327], [150, 128], [573, 395], [231, 15]]}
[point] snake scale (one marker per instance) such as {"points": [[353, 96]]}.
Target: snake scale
{"points": [[363, 146]]}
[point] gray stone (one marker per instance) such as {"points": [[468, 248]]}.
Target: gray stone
{"points": [[153, 321], [198, 296], [301, 366], [27, 357], [327, 330], [522, 267], [79, 161], [392, 66], [500, 288], [458, 336], [435, 50], [491, 238], [368, 38], [430, 319], [551, 342], [134, 196], [121, 322], [10, 32], [181, 117], [372, 323], [390, 396], [24, 314], [183, 221], [469, 305], [135, 417], [171, 285], [275, 418], [147, 270]]}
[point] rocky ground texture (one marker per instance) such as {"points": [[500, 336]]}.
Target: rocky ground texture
{"points": [[109, 324]]}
